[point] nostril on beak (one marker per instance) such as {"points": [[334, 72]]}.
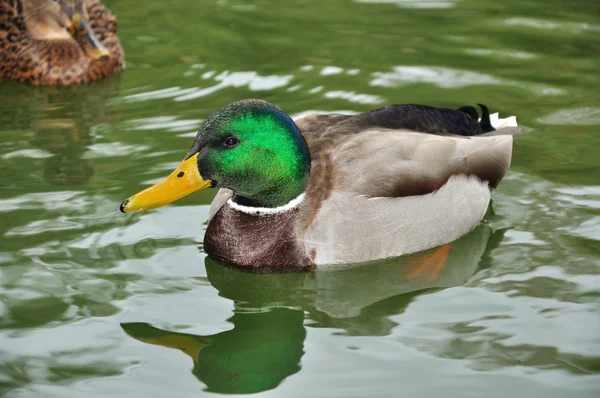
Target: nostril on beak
{"points": [[122, 207]]}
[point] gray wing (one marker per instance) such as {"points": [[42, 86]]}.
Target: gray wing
{"points": [[399, 163], [395, 192]]}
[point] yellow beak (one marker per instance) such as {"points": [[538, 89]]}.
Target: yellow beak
{"points": [[184, 180], [85, 36]]}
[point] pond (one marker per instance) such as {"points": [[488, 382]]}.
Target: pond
{"points": [[96, 303]]}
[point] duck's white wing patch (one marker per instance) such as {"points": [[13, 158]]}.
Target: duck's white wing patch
{"points": [[350, 228]]}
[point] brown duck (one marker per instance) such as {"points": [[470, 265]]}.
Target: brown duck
{"points": [[58, 42], [338, 189]]}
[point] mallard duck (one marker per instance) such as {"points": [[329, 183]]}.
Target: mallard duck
{"points": [[58, 42], [338, 189]]}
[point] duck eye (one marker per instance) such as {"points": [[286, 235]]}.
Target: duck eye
{"points": [[231, 142]]}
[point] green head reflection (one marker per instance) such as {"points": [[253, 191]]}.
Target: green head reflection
{"points": [[256, 355]]}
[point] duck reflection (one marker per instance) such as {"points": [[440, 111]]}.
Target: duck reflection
{"points": [[67, 140], [266, 343], [62, 121], [261, 350]]}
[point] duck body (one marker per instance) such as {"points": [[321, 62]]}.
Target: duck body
{"points": [[385, 183], [73, 43]]}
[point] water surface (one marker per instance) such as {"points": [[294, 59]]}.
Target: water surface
{"points": [[95, 303]]}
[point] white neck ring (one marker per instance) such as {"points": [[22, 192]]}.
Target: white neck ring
{"points": [[292, 204]]}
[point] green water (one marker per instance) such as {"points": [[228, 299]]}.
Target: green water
{"points": [[94, 303]]}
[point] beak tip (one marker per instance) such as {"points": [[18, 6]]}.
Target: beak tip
{"points": [[122, 207]]}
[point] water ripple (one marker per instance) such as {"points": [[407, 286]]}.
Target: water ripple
{"points": [[451, 78], [355, 97], [587, 116], [547, 25], [226, 79], [425, 4]]}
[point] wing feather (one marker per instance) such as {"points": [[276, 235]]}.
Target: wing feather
{"points": [[399, 163]]}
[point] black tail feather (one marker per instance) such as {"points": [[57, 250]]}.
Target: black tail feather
{"points": [[470, 111], [485, 123]]}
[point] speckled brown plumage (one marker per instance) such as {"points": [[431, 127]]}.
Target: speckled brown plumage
{"points": [[55, 62]]}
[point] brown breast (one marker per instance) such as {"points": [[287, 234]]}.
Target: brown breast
{"points": [[251, 240]]}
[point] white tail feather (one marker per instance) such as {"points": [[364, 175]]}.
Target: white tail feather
{"points": [[499, 123]]}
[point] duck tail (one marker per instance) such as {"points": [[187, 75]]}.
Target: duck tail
{"points": [[484, 122], [489, 124], [470, 111]]}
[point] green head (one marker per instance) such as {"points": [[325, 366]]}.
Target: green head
{"points": [[251, 147], [255, 149]]}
